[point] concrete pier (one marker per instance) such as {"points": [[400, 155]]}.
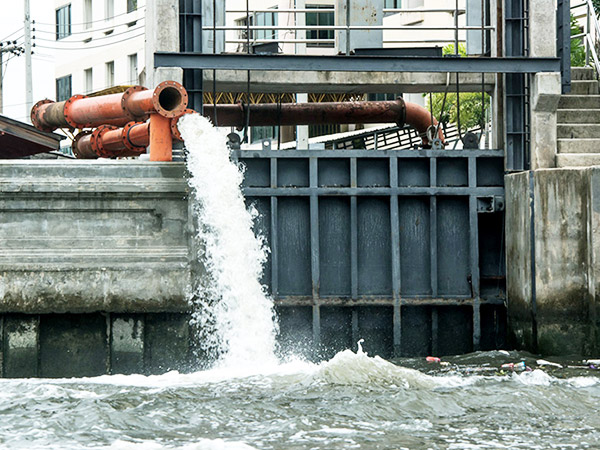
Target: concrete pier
{"points": [[553, 254]]}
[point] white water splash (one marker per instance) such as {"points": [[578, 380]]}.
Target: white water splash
{"points": [[232, 310]]}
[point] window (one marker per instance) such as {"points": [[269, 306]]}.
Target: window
{"points": [[395, 4], [263, 19], [109, 9], [266, 19], [63, 88], [131, 5], [110, 74], [133, 69], [258, 134], [87, 14], [320, 19], [63, 22], [88, 80], [382, 97]]}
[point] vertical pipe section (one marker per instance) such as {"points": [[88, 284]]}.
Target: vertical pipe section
{"points": [[161, 141]]}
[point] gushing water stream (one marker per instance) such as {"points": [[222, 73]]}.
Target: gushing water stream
{"points": [[232, 311]]}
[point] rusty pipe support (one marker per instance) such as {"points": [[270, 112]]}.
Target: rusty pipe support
{"points": [[169, 99], [161, 140]]}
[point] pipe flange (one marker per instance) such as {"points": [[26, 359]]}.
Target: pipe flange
{"points": [[125, 98], [174, 130], [67, 111], [79, 154], [34, 115], [127, 142], [176, 95], [96, 140], [402, 118]]}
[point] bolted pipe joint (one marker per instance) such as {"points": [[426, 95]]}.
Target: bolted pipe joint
{"points": [[169, 99]]}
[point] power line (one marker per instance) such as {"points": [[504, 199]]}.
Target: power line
{"points": [[109, 36], [14, 32], [92, 30], [90, 47], [98, 20]]}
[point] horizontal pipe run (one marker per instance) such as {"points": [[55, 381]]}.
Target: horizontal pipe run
{"points": [[273, 114], [109, 141], [169, 99]]}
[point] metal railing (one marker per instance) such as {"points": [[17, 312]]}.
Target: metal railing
{"points": [[432, 26], [584, 12]]}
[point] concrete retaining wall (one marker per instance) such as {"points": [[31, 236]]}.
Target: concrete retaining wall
{"points": [[83, 237], [552, 290], [95, 265]]}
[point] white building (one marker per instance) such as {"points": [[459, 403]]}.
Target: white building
{"points": [[99, 44]]}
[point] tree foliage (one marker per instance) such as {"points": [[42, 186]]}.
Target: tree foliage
{"points": [[473, 105], [577, 47]]}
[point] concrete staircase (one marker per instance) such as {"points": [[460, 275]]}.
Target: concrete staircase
{"points": [[578, 120]]}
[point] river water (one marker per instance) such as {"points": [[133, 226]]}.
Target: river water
{"points": [[250, 400], [351, 401]]}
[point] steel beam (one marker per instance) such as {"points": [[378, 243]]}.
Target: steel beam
{"points": [[356, 63]]}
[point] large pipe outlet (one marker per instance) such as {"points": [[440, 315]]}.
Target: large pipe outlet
{"points": [[169, 99]]}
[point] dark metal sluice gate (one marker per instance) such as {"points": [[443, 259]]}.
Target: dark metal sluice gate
{"points": [[401, 247]]}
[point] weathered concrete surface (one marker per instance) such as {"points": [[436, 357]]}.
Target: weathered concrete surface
{"points": [[87, 236], [559, 314], [546, 91], [77, 345], [162, 17]]}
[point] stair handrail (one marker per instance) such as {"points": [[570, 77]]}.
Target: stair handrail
{"points": [[590, 35]]}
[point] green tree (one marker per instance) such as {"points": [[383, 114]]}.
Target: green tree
{"points": [[472, 111], [577, 47]]}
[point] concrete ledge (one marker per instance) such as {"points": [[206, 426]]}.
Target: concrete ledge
{"points": [[87, 236]]}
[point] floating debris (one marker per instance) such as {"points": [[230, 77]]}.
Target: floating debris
{"points": [[543, 362], [514, 366]]}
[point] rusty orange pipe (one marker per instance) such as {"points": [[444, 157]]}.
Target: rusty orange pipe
{"points": [[161, 140], [270, 114], [131, 140], [420, 119], [169, 99], [108, 141]]}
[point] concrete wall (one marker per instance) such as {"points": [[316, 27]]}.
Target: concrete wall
{"points": [[552, 303], [82, 237], [94, 268]]}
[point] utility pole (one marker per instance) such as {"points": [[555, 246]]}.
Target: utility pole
{"points": [[28, 80], [7, 47]]}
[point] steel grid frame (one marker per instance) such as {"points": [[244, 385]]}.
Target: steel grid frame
{"points": [[314, 192]]}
